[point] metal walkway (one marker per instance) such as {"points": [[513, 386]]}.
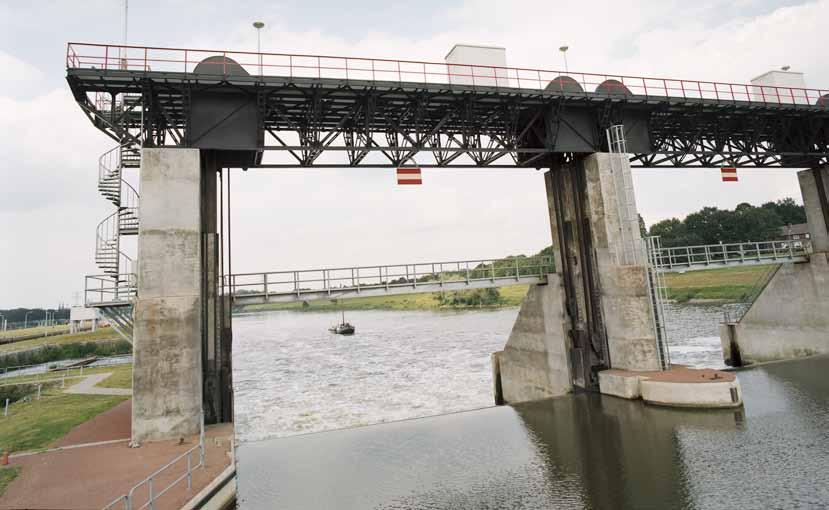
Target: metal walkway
{"points": [[712, 256], [361, 281], [351, 282]]}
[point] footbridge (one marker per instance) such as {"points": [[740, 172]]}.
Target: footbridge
{"points": [[412, 278]]}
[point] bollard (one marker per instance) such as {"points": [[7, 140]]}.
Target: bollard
{"points": [[6, 410]]}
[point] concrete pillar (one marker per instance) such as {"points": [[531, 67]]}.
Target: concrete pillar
{"points": [[814, 185], [167, 370], [625, 301]]}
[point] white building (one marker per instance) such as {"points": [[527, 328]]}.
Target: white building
{"points": [[477, 65]]}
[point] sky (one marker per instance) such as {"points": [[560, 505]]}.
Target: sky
{"points": [[295, 219]]}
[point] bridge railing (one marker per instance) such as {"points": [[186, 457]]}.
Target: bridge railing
{"points": [[430, 275], [104, 288], [672, 258], [225, 63]]}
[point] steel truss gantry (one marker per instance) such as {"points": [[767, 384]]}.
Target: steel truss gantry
{"points": [[346, 122]]}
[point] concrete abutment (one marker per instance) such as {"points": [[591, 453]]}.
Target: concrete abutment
{"points": [[790, 318]]}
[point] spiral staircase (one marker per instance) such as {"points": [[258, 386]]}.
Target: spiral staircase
{"points": [[113, 292]]}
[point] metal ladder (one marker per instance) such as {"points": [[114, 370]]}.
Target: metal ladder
{"points": [[631, 248], [658, 292]]}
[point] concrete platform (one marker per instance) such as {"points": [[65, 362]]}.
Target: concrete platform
{"points": [[680, 386]]}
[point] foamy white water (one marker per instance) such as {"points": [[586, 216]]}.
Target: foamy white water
{"points": [[292, 376]]}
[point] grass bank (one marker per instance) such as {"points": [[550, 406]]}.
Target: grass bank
{"points": [[88, 336], [7, 476], [37, 330], [36, 424], [509, 296], [725, 284], [730, 284]]}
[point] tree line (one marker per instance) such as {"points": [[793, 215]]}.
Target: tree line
{"points": [[745, 223]]}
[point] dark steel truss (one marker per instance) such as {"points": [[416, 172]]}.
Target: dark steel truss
{"points": [[336, 123]]}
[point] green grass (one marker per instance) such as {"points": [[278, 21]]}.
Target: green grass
{"points": [[88, 336], [72, 376], [37, 424], [510, 296], [121, 377], [725, 284], [7, 476], [39, 330]]}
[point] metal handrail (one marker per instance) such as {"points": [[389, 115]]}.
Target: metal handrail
{"points": [[360, 278], [128, 500], [730, 253], [160, 59], [103, 289]]}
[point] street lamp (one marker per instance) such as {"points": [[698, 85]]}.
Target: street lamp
{"points": [[258, 25], [563, 50]]}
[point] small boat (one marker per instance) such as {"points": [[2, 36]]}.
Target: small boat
{"points": [[343, 328]]}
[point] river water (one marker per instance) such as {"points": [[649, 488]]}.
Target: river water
{"points": [[293, 378]]}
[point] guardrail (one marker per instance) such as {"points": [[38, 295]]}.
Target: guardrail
{"points": [[430, 276], [714, 255], [149, 486], [237, 63], [104, 289]]}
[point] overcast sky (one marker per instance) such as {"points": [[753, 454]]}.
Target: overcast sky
{"points": [[293, 219]]}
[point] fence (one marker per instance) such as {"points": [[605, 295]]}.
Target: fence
{"points": [[714, 255], [101, 289], [430, 275], [150, 489], [241, 63]]}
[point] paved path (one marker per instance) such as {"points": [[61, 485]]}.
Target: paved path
{"points": [[89, 386], [89, 478]]}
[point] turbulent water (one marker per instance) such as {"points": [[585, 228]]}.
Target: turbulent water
{"points": [[292, 376]]}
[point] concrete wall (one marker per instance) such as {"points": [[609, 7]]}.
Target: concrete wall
{"points": [[790, 318], [625, 301], [535, 362], [167, 372]]}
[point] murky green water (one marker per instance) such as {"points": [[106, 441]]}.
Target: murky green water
{"points": [[585, 451]]}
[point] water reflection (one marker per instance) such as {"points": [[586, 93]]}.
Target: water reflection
{"points": [[584, 451]]}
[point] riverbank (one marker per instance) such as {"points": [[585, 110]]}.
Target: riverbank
{"points": [[724, 285]]}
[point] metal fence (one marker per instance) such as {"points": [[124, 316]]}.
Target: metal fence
{"points": [[147, 492], [430, 276], [239, 63], [102, 289], [714, 255]]}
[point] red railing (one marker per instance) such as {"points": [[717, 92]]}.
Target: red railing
{"points": [[228, 63]]}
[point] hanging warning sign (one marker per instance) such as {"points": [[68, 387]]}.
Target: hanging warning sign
{"points": [[729, 174], [409, 175]]}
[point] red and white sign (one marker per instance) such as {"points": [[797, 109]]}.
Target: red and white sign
{"points": [[409, 175], [729, 174]]}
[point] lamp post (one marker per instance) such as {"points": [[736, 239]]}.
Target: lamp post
{"points": [[563, 50], [258, 25]]}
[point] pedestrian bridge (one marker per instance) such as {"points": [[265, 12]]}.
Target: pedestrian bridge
{"points": [[375, 280]]}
